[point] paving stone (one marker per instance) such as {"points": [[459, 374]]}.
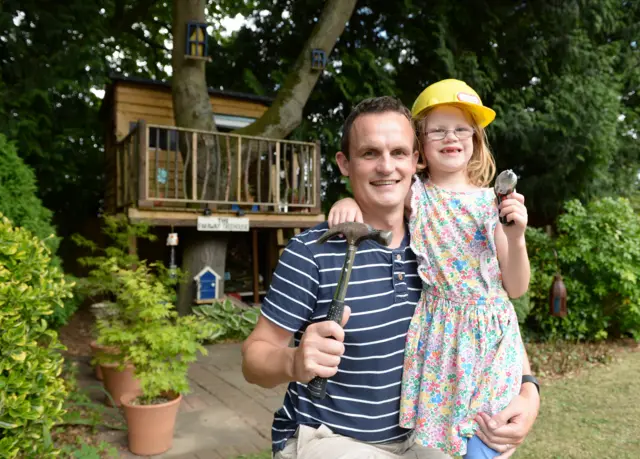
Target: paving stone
{"points": [[223, 416]]}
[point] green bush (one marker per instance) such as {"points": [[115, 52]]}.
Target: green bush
{"points": [[18, 196], [598, 248], [232, 322], [20, 204], [149, 333], [142, 322], [31, 389]]}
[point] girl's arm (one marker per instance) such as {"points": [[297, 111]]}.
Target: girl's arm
{"points": [[407, 204], [344, 210], [512, 248]]}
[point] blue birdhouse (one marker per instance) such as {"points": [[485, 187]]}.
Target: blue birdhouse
{"points": [[208, 286], [318, 59]]}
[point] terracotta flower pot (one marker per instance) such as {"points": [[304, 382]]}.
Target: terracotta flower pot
{"points": [[96, 349], [118, 382], [150, 427]]}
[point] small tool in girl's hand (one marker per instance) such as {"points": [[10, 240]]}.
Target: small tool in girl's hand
{"points": [[504, 186]]}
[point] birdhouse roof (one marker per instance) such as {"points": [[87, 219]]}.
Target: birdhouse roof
{"points": [[203, 271]]}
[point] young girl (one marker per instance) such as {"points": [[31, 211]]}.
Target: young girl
{"points": [[464, 353]]}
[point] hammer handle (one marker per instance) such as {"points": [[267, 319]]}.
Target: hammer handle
{"points": [[503, 220], [318, 386]]}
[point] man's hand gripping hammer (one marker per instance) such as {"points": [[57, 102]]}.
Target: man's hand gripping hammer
{"points": [[354, 233]]}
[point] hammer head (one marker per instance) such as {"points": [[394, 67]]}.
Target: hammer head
{"points": [[355, 233]]}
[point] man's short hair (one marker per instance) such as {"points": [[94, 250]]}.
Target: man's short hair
{"points": [[381, 104]]}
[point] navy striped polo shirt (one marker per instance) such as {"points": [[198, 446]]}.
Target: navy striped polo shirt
{"points": [[363, 398]]}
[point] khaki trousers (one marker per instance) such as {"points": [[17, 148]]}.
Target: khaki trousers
{"points": [[322, 443]]}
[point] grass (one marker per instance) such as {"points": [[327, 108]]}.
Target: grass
{"points": [[266, 454], [593, 413]]}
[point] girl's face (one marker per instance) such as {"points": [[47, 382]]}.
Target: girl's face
{"points": [[445, 152]]}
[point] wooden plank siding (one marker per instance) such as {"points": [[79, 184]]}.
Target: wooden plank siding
{"points": [[154, 104], [166, 175]]}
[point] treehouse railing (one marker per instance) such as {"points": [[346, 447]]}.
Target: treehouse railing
{"points": [[165, 166]]}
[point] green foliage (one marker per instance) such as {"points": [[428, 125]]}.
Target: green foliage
{"points": [[119, 232], [598, 249], [82, 450], [148, 331], [81, 410], [559, 357], [231, 322], [63, 313], [143, 324], [18, 196], [32, 392], [20, 204]]}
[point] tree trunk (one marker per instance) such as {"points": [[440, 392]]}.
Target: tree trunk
{"points": [[192, 109], [201, 249], [285, 113], [191, 103]]}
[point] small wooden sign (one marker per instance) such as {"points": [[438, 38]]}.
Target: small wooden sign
{"points": [[233, 224]]}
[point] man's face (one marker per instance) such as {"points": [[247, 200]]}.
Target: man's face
{"points": [[381, 161]]}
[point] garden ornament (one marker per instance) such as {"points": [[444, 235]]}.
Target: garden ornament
{"points": [[557, 294], [354, 233], [504, 186]]}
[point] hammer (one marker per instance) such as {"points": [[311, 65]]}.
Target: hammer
{"points": [[354, 233]]}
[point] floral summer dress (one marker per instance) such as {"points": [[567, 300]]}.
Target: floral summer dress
{"points": [[464, 351]]}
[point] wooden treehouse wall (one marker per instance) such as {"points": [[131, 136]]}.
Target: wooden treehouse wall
{"points": [[153, 104]]}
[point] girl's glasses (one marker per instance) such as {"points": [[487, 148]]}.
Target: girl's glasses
{"points": [[439, 134]]}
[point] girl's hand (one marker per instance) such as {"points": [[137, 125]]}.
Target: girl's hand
{"points": [[345, 210], [514, 210]]}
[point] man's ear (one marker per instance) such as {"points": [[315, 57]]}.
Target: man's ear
{"points": [[343, 163], [416, 159]]}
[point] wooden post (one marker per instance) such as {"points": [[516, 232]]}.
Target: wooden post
{"points": [[256, 270], [194, 169], [239, 187], [143, 168], [133, 248], [119, 197], [176, 167], [316, 180], [294, 177], [157, 161], [277, 183]]}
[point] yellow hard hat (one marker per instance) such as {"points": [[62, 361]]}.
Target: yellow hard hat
{"points": [[454, 92]]}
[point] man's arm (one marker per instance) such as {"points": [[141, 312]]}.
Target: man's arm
{"points": [[507, 429], [267, 359]]}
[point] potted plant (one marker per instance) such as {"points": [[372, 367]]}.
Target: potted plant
{"points": [[101, 283], [158, 345]]}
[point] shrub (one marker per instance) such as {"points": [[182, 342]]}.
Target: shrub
{"points": [[149, 333], [18, 199], [141, 321], [599, 256], [32, 391], [232, 322], [20, 204]]}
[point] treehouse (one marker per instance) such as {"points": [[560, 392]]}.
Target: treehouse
{"points": [[170, 177]]}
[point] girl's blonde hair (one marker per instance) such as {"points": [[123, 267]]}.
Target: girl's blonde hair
{"points": [[481, 168]]}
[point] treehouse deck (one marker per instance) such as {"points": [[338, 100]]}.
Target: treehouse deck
{"points": [[169, 176]]}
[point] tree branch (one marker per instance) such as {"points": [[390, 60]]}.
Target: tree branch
{"points": [[123, 20], [139, 34], [285, 114]]}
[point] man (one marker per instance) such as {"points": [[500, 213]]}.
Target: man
{"points": [[359, 416]]}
